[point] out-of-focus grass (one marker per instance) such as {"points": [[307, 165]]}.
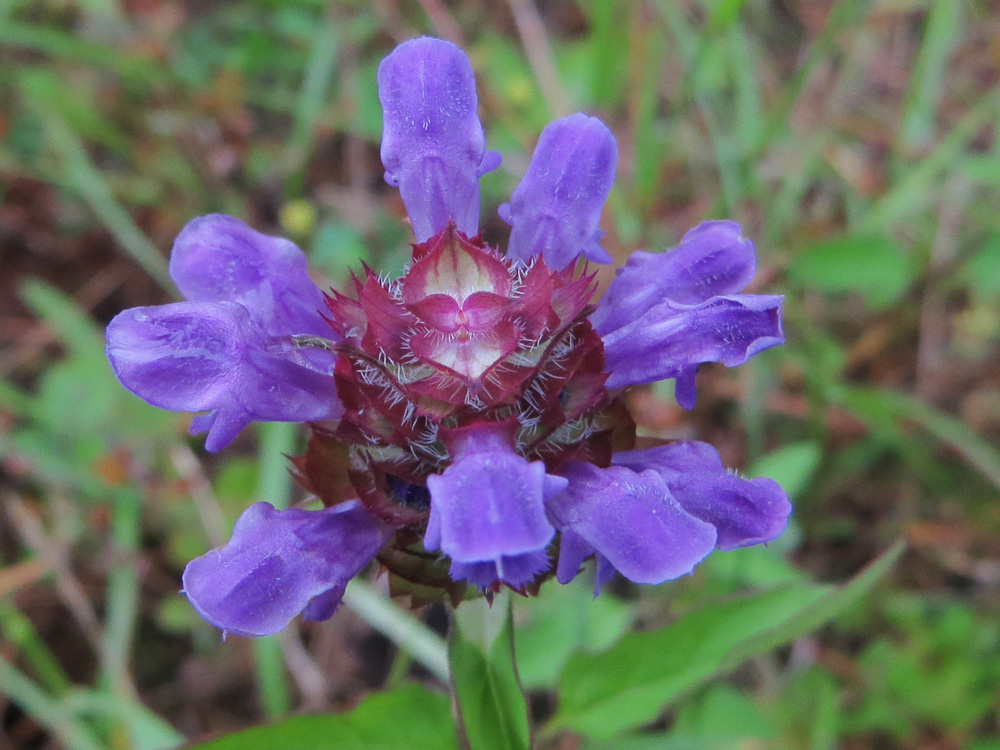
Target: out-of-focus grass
{"points": [[856, 142]]}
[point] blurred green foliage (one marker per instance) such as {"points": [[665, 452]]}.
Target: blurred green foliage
{"points": [[856, 141]]}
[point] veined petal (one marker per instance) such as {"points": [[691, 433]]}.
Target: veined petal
{"points": [[555, 210], [490, 503], [433, 145], [195, 356], [670, 339], [183, 356], [279, 562], [218, 258], [712, 259], [629, 518], [743, 511], [488, 506]]}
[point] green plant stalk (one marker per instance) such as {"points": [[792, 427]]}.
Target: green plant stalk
{"points": [[91, 186], [277, 440], [942, 30], [51, 714], [726, 158], [309, 106], [406, 631], [122, 600], [20, 632], [491, 708], [137, 727]]}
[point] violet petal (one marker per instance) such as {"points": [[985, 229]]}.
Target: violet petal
{"points": [[488, 505], [517, 571], [324, 606], [433, 145], [278, 562], [195, 356], [555, 210], [629, 518], [743, 511], [573, 550], [222, 426], [670, 339], [218, 258], [713, 259]]}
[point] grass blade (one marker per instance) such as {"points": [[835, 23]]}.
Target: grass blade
{"points": [[46, 711]]}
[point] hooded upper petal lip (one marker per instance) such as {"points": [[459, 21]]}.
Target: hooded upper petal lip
{"points": [[554, 211], [433, 145]]}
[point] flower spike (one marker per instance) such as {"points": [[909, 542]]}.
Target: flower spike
{"points": [[466, 420]]}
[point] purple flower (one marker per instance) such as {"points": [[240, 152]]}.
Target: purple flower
{"points": [[218, 258], [743, 511], [230, 349], [488, 509], [191, 356], [433, 145], [631, 521], [555, 209], [667, 313], [281, 562], [474, 402]]}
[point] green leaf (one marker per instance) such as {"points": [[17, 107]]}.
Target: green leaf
{"points": [[629, 684], [880, 408], [723, 714], [411, 718], [942, 30], [494, 713], [724, 13], [646, 741], [982, 272], [564, 619], [871, 265]]}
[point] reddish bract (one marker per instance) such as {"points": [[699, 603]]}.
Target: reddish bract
{"points": [[465, 337]]}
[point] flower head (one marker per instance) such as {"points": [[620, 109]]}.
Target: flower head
{"points": [[466, 420]]}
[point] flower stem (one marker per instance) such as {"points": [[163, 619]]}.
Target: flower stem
{"points": [[277, 439], [491, 707], [406, 631]]}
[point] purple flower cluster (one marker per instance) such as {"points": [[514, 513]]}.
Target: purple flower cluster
{"points": [[476, 396]]}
